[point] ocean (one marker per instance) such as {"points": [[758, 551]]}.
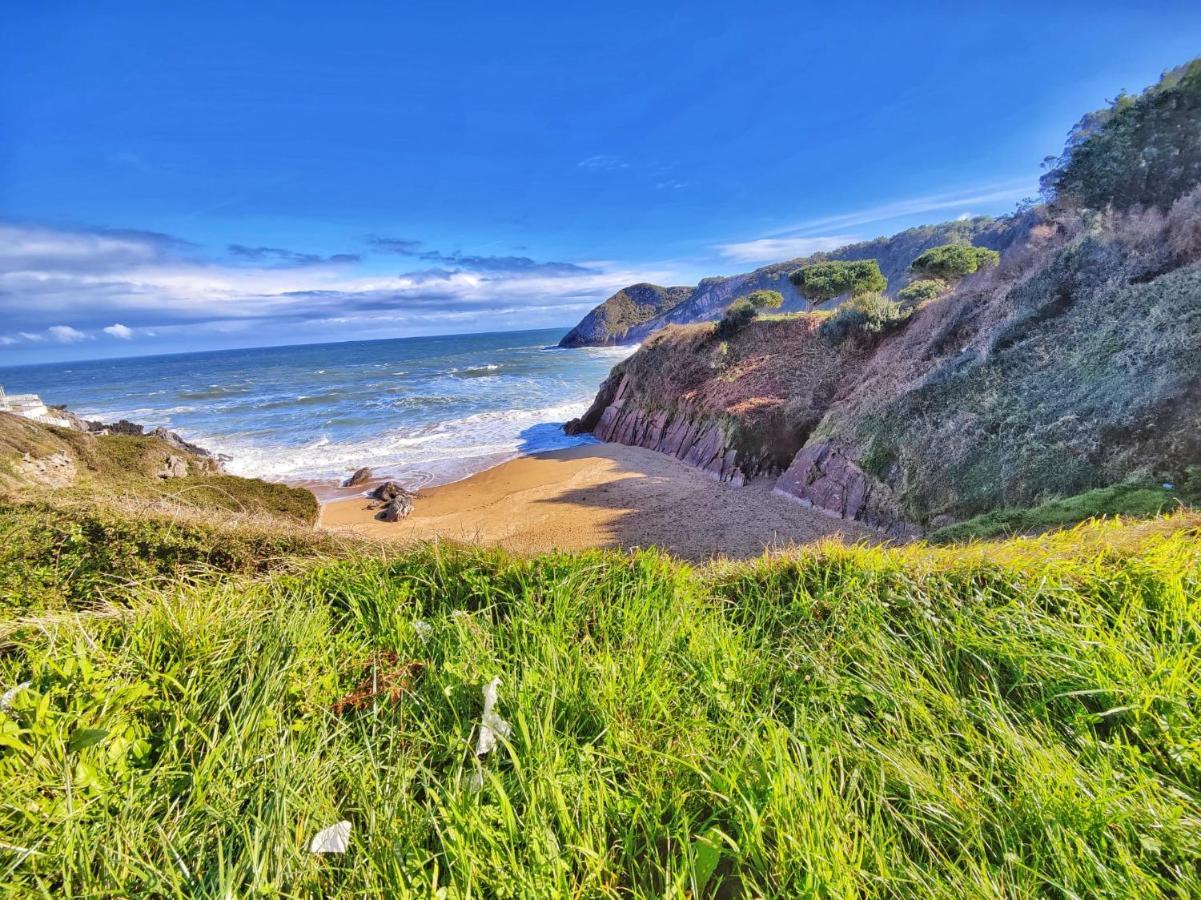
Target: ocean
{"points": [[424, 411]]}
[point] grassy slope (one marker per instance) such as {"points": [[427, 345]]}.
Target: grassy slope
{"points": [[1132, 500], [126, 465], [1013, 719], [56, 556]]}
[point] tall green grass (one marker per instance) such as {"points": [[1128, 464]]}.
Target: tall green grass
{"points": [[1015, 719]]}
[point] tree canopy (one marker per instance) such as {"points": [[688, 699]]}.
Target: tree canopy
{"points": [[740, 313], [1140, 150], [950, 262], [824, 281]]}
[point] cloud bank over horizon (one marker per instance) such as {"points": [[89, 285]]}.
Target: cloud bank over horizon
{"points": [[126, 291]]}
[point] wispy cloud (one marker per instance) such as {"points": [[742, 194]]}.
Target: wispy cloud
{"points": [[912, 206], [282, 257], [403, 246], [814, 235], [119, 331], [473, 262], [775, 249], [603, 162]]}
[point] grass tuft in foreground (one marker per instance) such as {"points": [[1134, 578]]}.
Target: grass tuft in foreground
{"points": [[1014, 719]]}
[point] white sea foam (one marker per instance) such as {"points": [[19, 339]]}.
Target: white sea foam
{"points": [[422, 411], [433, 453]]}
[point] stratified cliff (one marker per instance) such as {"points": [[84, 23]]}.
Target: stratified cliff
{"points": [[635, 312], [1073, 364]]}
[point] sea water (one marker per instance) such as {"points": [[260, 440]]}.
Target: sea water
{"points": [[424, 410]]}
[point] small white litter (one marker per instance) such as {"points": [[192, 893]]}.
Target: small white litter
{"points": [[492, 726], [334, 839], [6, 699]]}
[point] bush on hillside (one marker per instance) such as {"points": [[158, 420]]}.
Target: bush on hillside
{"points": [[865, 317], [826, 280], [920, 291], [950, 262], [742, 311], [1140, 150]]}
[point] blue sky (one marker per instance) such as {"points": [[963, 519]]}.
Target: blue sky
{"points": [[248, 174]]}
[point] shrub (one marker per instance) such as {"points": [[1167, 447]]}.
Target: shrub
{"points": [[742, 311], [950, 262], [867, 316], [920, 291], [826, 280], [765, 299]]}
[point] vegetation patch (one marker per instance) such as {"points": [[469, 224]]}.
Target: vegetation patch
{"points": [[250, 496], [1140, 500], [920, 291], [951, 262], [824, 281], [742, 311], [1143, 150], [56, 555], [863, 318]]}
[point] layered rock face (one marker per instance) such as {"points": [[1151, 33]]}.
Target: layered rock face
{"points": [[822, 476], [694, 441]]}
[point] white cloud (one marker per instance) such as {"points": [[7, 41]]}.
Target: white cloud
{"points": [[65, 334], [166, 284], [603, 162], [779, 249], [914, 206], [7, 341]]}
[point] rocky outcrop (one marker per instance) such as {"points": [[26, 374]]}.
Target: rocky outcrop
{"points": [[613, 321], [53, 471], [389, 491], [692, 439], [121, 426], [173, 467], [823, 477], [396, 501], [360, 476], [397, 508]]}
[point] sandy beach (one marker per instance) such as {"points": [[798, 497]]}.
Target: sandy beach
{"points": [[602, 495]]}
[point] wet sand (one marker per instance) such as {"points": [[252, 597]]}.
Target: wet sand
{"points": [[602, 495]]}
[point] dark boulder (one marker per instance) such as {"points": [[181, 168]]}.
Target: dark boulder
{"points": [[390, 490], [360, 476], [397, 508]]}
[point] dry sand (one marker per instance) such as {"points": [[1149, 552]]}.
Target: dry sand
{"points": [[602, 495]]}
